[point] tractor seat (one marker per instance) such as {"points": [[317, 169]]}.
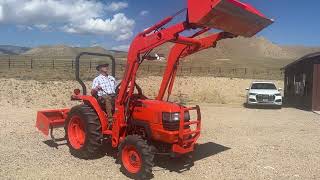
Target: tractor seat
{"points": [[101, 100]]}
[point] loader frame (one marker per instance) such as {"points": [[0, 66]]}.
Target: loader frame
{"points": [[232, 17]]}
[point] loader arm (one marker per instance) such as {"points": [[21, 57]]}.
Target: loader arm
{"points": [[180, 51], [229, 16]]}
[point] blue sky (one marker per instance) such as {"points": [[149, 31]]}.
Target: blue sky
{"points": [[113, 24]]}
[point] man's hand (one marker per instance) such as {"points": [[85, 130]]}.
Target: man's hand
{"points": [[98, 88]]}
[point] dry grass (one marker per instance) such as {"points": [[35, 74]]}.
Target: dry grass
{"points": [[43, 93]]}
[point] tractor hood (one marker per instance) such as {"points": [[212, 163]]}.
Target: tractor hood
{"points": [[227, 15], [151, 110], [161, 106]]}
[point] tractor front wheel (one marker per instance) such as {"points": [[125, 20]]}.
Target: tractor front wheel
{"points": [[136, 157], [83, 132]]}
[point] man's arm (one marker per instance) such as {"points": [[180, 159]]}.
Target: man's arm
{"points": [[112, 78], [95, 84], [114, 83]]}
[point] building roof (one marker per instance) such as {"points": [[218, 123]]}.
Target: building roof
{"points": [[304, 58]]}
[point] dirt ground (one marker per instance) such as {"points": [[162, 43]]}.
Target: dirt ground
{"points": [[236, 143], [49, 93]]}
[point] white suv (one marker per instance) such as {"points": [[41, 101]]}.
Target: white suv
{"points": [[264, 93]]}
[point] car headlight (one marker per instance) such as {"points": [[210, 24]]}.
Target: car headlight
{"points": [[252, 94], [278, 94], [166, 116]]}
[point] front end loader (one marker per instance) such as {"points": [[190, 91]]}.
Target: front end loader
{"points": [[144, 127]]}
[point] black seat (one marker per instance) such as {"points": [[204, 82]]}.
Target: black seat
{"points": [[101, 100]]}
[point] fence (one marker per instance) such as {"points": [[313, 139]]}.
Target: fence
{"points": [[156, 68]]}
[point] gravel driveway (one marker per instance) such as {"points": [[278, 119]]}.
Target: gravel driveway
{"points": [[236, 143]]}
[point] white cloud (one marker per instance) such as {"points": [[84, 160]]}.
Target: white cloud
{"points": [[1, 13], [116, 6], [41, 26], [119, 26], [49, 11], [144, 12], [71, 16], [22, 27], [124, 36], [124, 47]]}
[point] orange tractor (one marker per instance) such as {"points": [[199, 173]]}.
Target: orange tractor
{"points": [[144, 127]]}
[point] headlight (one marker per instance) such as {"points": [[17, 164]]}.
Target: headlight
{"points": [[252, 94], [175, 116], [166, 116], [278, 94]]}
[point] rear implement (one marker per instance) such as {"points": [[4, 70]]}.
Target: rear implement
{"points": [[47, 120]]}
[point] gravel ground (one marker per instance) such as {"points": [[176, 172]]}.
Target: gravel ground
{"points": [[236, 143]]}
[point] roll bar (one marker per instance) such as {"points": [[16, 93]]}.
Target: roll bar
{"points": [[77, 73]]}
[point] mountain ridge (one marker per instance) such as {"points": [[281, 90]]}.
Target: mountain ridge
{"points": [[256, 52]]}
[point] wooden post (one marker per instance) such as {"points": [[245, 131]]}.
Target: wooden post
{"points": [[31, 63], [9, 62], [53, 63]]}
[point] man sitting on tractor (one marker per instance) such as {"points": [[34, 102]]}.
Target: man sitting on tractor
{"points": [[105, 84]]}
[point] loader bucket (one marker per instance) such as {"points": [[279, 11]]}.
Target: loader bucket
{"points": [[227, 15], [50, 119]]}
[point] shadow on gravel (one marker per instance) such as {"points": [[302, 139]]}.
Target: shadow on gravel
{"points": [[245, 105], [184, 163], [55, 144], [178, 164], [107, 149]]}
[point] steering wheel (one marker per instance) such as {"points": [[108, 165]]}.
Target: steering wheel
{"points": [[136, 86]]}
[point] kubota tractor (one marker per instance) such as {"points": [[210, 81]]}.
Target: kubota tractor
{"points": [[143, 127]]}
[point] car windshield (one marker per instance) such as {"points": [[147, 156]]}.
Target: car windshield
{"points": [[263, 86]]}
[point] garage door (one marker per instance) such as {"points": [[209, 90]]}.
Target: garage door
{"points": [[316, 88]]}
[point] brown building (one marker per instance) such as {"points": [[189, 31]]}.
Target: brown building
{"points": [[302, 83]]}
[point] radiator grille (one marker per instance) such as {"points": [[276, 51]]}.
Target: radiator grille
{"points": [[265, 98]]}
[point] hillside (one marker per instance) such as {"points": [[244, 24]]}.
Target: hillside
{"points": [[12, 50], [67, 51], [256, 52], [299, 51]]}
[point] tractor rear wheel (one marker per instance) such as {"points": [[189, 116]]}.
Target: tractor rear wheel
{"points": [[136, 157], [83, 132]]}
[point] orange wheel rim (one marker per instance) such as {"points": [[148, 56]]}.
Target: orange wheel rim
{"points": [[76, 132], [131, 159]]}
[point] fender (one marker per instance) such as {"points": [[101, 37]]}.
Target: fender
{"points": [[92, 101]]}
